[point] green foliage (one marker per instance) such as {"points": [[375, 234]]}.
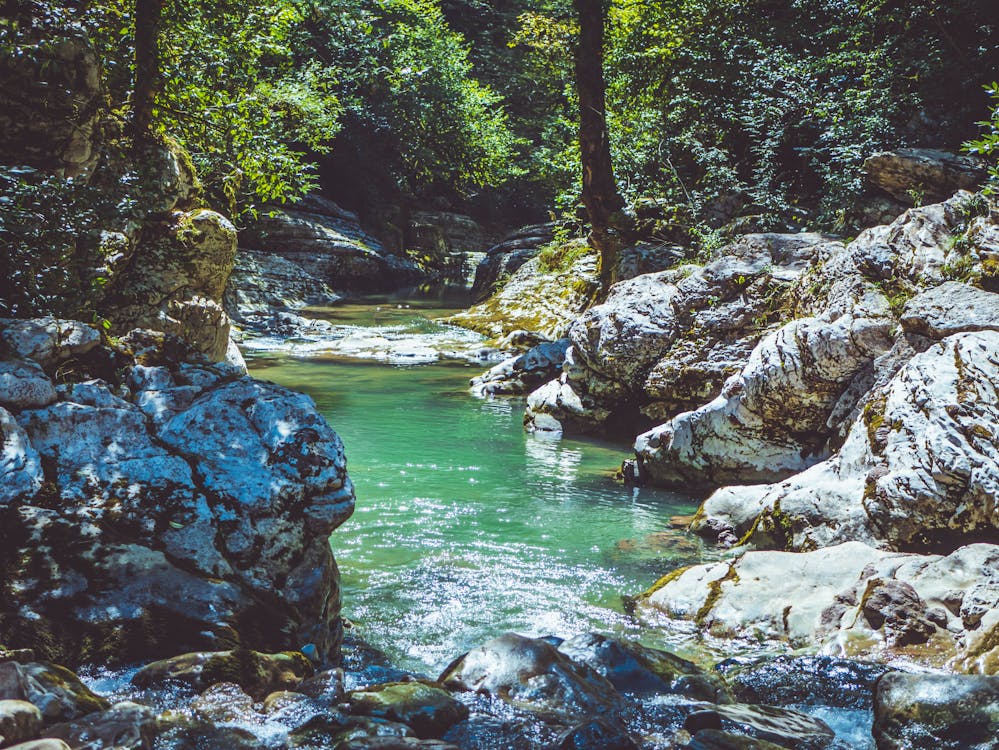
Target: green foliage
{"points": [[51, 267], [988, 144]]}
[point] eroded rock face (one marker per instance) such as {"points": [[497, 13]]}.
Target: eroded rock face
{"points": [[665, 342], [918, 466], [936, 712], [174, 506], [175, 280], [329, 244], [849, 598], [806, 383], [504, 258], [918, 174], [535, 300]]}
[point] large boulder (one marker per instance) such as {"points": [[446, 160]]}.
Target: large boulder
{"points": [[521, 373], [665, 342], [258, 674], [264, 282], [918, 467], [915, 175], [175, 506], [850, 598], [503, 259], [936, 712], [534, 675], [805, 384]]}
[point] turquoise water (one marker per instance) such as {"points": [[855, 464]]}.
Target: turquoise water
{"points": [[466, 526]]}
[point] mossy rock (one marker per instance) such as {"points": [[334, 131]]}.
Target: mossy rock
{"points": [[258, 674], [429, 710]]}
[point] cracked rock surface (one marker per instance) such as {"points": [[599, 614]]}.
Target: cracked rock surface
{"points": [[174, 505]]}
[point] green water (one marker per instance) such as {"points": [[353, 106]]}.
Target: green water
{"points": [[466, 526]]}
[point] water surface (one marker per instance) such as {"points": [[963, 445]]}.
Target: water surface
{"points": [[466, 526]]}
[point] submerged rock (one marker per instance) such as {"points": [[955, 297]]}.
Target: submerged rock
{"points": [[532, 674], [782, 726], [830, 599], [596, 734], [936, 712]]}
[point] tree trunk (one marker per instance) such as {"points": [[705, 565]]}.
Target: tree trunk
{"points": [[600, 196], [147, 66]]}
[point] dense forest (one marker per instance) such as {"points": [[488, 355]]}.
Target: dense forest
{"points": [[722, 116]]}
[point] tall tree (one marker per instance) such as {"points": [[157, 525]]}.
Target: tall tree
{"points": [[147, 65], [601, 198]]}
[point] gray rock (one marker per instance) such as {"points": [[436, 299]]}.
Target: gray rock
{"points": [[782, 726], [936, 712], [55, 691], [504, 258], [818, 599], [221, 490], [951, 307], [428, 710], [330, 245], [124, 726], [924, 174], [715, 739], [45, 744], [633, 668], [665, 342], [48, 341], [263, 282], [524, 372], [24, 385], [20, 465], [532, 674], [19, 721]]}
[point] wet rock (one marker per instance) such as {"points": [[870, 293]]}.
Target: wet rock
{"points": [[223, 702], [326, 687], [781, 726], [124, 726], [504, 258], [324, 732], [817, 598], [258, 674], [633, 668], [429, 710], [532, 674], [57, 692], [802, 680], [48, 341], [19, 721], [596, 734], [545, 302], [923, 174], [896, 608], [394, 743], [951, 307], [524, 372], [715, 739], [936, 712], [665, 342]]}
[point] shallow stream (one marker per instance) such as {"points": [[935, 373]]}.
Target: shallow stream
{"points": [[466, 526]]}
